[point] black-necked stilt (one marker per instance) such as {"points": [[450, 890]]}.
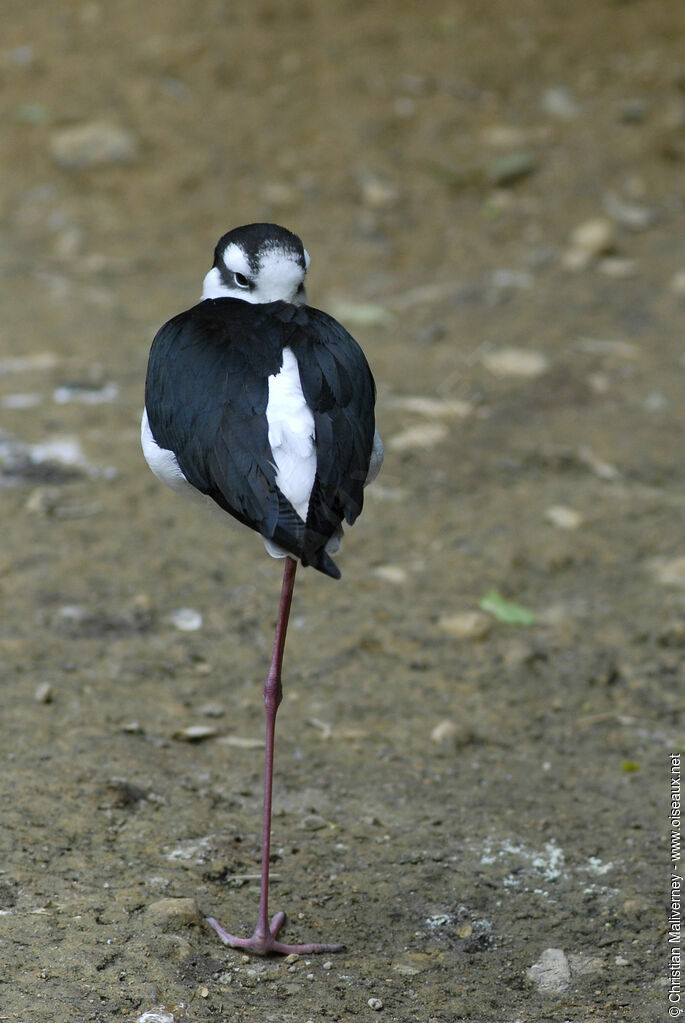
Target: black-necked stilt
{"points": [[264, 405]]}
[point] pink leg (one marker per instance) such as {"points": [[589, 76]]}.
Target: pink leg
{"points": [[263, 941]]}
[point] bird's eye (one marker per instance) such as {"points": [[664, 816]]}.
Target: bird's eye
{"points": [[241, 280]]}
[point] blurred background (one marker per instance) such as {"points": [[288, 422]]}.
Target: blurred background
{"points": [[478, 717]]}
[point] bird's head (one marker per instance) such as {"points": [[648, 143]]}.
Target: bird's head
{"points": [[258, 263]]}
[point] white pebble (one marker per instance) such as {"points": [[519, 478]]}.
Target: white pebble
{"points": [[559, 102], [589, 240], [677, 284], [669, 571], [186, 619], [426, 435], [431, 408], [375, 1003], [516, 362], [156, 1015], [552, 973], [617, 267], [94, 144], [444, 730], [466, 625], [391, 574], [43, 693], [17, 401], [634, 216], [563, 517], [195, 733]]}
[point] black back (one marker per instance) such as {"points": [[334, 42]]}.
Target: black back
{"points": [[206, 395]]}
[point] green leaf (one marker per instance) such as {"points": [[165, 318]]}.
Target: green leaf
{"points": [[505, 610], [630, 766]]}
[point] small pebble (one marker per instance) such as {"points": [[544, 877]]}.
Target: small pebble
{"points": [[195, 733], [617, 267], [313, 822], [604, 470], [431, 408], [391, 574], [362, 314], [516, 362], [466, 625], [634, 216], [425, 435], [21, 401], [590, 240], [609, 347], [449, 733], [185, 619], [212, 710], [241, 742], [375, 1003], [95, 144], [444, 731], [157, 1015], [43, 693], [552, 973], [377, 193], [669, 571], [508, 169], [677, 283], [559, 102], [633, 111], [173, 913], [563, 517]]}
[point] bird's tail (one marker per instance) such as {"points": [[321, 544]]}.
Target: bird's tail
{"points": [[321, 561]]}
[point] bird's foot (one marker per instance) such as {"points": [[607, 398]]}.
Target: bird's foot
{"points": [[264, 944]]}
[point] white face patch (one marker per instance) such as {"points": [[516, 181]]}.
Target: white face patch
{"points": [[279, 276], [235, 260]]}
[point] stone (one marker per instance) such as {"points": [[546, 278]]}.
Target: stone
{"points": [[516, 362], [551, 975], [563, 517], [424, 435], [466, 625], [590, 240], [185, 619], [560, 103], [94, 144], [506, 170], [669, 571], [173, 913]]}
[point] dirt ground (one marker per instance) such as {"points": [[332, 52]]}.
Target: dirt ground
{"points": [[493, 198]]}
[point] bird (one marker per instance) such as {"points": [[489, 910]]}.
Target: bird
{"points": [[263, 408]]}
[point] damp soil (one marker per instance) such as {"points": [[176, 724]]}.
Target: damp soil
{"points": [[456, 794]]}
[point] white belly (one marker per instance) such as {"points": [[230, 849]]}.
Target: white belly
{"points": [[291, 435]]}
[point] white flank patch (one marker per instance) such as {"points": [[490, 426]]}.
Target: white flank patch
{"points": [[163, 462], [291, 435]]}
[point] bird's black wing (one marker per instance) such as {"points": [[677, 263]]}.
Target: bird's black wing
{"points": [[206, 395], [339, 389]]}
